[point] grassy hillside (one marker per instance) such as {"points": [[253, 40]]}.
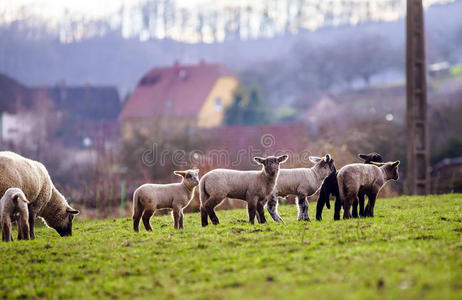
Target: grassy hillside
{"points": [[412, 249]]}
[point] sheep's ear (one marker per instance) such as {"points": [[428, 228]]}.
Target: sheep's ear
{"points": [[395, 164], [315, 159], [72, 211], [363, 156], [259, 160], [327, 158], [378, 164], [283, 158], [180, 173], [196, 170]]}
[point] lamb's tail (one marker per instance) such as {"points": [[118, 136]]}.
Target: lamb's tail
{"points": [[203, 195], [136, 202], [21, 197]]}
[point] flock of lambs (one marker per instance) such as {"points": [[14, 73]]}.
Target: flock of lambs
{"points": [[28, 192]]}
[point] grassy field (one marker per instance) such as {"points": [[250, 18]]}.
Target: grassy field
{"points": [[412, 249]]}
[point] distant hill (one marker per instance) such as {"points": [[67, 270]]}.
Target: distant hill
{"points": [[111, 60]]}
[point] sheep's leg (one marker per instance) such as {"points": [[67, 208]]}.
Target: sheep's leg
{"points": [[25, 227], [251, 208], [361, 205], [210, 208], [272, 207], [371, 204], [181, 219], [204, 216], [346, 206], [260, 213], [354, 209], [176, 217], [6, 230], [138, 212], [338, 207], [146, 217], [303, 208], [31, 223]]}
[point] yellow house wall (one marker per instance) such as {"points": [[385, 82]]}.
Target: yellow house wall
{"points": [[223, 88]]}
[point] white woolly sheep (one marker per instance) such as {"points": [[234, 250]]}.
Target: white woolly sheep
{"points": [[13, 206], [251, 186], [302, 182], [45, 200], [176, 196], [366, 179]]}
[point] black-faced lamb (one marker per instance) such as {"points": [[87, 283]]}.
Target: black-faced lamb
{"points": [[366, 179], [13, 206], [175, 196], [302, 182], [330, 187], [45, 201], [254, 187]]}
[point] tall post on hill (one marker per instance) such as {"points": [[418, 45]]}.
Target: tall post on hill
{"points": [[418, 170]]}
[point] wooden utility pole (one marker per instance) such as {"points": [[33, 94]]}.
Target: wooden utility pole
{"points": [[418, 175]]}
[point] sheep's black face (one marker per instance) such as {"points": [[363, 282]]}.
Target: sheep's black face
{"points": [[67, 229], [271, 164], [375, 157], [64, 225]]}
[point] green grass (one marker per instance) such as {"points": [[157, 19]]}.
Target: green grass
{"points": [[411, 249]]}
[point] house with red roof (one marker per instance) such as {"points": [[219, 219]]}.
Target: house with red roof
{"points": [[171, 99]]}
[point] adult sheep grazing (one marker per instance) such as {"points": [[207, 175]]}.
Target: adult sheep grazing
{"points": [[175, 196], [330, 187], [365, 179], [13, 205], [254, 187], [45, 201], [302, 182]]}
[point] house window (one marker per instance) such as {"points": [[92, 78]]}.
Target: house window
{"points": [[218, 104]]}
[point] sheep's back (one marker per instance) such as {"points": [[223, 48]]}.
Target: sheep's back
{"points": [[28, 175], [231, 183], [359, 174], [289, 181]]}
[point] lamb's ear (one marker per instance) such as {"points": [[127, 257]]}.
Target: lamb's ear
{"points": [[283, 158], [180, 173], [327, 158], [72, 211], [364, 156], [196, 170], [259, 160], [395, 164], [315, 159], [378, 164]]}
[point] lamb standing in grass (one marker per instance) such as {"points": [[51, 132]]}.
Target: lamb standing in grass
{"points": [[45, 201], [366, 179], [330, 186], [251, 186], [302, 182], [13, 206], [176, 196]]}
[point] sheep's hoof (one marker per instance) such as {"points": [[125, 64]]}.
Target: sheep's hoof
{"points": [[318, 218]]}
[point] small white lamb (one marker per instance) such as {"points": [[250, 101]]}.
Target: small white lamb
{"points": [[365, 179], [13, 206], [176, 196], [254, 187], [302, 182]]}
